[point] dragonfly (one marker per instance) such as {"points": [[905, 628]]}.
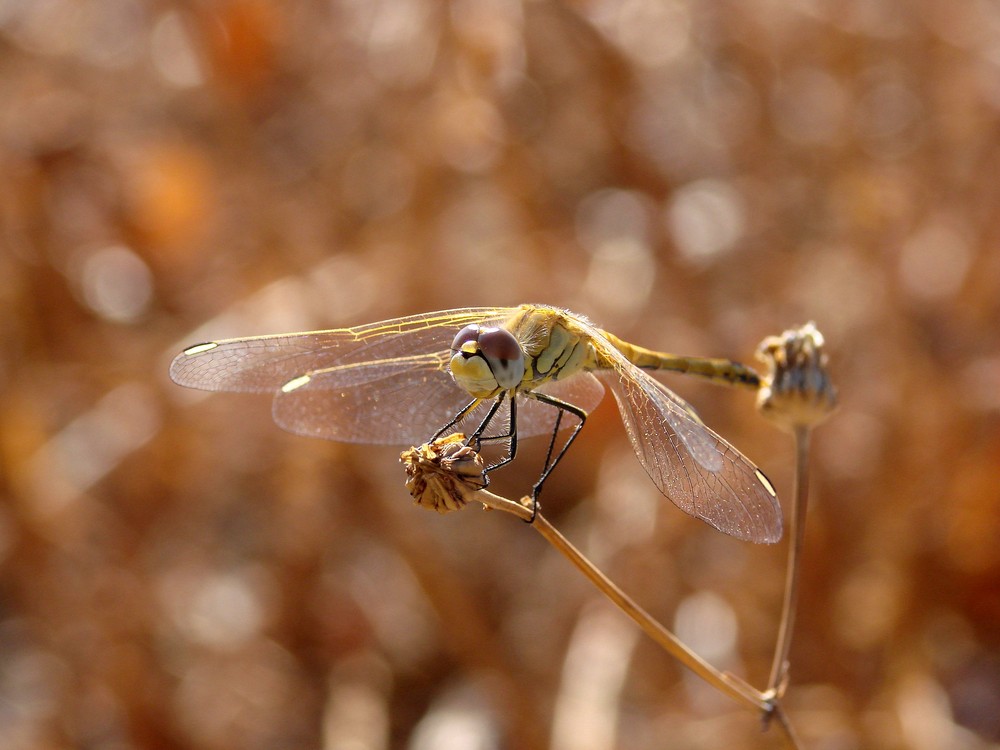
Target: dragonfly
{"points": [[504, 373]]}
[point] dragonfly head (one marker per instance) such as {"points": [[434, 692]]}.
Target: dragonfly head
{"points": [[486, 360]]}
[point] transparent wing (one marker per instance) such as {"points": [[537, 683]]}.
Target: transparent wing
{"points": [[697, 470], [408, 399], [399, 401], [384, 382], [536, 418], [266, 363]]}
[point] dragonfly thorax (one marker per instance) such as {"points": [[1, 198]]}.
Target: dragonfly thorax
{"points": [[486, 361]]}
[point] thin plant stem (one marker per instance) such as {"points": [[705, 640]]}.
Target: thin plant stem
{"points": [[786, 725], [729, 684], [441, 477], [768, 704], [779, 667]]}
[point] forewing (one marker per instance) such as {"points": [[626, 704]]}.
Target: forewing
{"points": [[266, 363], [697, 470]]}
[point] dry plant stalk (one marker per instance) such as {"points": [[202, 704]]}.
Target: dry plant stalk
{"points": [[434, 485], [796, 393]]}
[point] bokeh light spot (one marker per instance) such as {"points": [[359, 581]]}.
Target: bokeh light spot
{"points": [[174, 55], [809, 107], [934, 262], [706, 218], [706, 622], [116, 283], [651, 32]]}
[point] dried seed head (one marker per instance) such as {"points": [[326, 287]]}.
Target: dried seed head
{"points": [[443, 475], [797, 390]]}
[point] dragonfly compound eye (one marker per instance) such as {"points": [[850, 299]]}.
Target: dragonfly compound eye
{"points": [[465, 337], [504, 355]]}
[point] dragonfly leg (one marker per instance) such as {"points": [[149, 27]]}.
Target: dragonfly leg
{"points": [[551, 463], [552, 440], [476, 439], [458, 418], [511, 434]]}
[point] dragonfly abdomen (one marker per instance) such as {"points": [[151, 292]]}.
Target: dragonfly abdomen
{"points": [[717, 370]]}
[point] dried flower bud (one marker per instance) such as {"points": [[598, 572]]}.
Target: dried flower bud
{"points": [[796, 391], [444, 474]]}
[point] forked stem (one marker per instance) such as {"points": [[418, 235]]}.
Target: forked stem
{"points": [[779, 667], [442, 477], [767, 703]]}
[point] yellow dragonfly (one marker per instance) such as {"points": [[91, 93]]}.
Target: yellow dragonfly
{"points": [[524, 368]]}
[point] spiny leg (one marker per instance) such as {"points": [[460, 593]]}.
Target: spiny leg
{"points": [[462, 414], [477, 436], [476, 439], [552, 440], [563, 407], [511, 434]]}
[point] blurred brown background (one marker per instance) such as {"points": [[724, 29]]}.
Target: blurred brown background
{"points": [[176, 572]]}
